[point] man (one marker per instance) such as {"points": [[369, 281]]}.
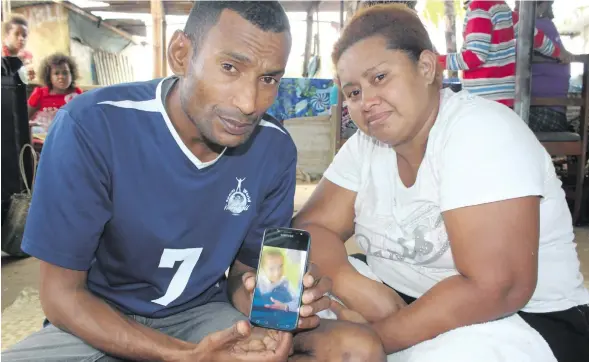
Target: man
{"points": [[488, 55], [130, 215]]}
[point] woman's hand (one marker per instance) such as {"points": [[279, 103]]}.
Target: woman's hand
{"points": [[346, 314]]}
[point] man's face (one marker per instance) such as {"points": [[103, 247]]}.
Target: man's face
{"points": [[16, 38], [233, 79]]}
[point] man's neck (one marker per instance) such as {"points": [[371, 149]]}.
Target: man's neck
{"points": [[187, 131]]}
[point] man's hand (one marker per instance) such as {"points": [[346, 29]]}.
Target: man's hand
{"points": [[346, 314], [240, 343], [314, 299]]}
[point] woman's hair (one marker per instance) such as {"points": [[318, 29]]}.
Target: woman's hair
{"points": [[14, 20], [398, 24], [55, 60]]}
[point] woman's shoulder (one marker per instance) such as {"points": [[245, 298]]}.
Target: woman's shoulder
{"points": [[464, 112]]}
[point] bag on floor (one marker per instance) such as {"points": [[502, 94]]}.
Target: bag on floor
{"points": [[16, 218]]}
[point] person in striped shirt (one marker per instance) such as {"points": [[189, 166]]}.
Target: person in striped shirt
{"points": [[487, 58]]}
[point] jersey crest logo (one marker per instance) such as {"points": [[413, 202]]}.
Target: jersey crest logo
{"points": [[238, 200]]}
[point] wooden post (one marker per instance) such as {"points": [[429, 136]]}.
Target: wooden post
{"points": [[450, 23], [523, 65], [308, 41], [159, 36]]}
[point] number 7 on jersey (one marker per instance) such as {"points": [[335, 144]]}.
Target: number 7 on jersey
{"points": [[188, 258]]}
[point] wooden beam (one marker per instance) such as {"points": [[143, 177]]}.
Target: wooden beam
{"points": [[96, 19], [308, 40], [158, 29]]}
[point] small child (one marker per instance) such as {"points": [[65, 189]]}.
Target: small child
{"points": [[273, 288], [59, 73], [15, 40]]}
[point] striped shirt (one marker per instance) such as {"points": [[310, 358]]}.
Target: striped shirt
{"points": [[487, 58]]}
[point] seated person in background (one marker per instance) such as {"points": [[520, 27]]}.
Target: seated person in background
{"points": [[488, 55], [59, 73], [273, 287], [456, 204], [130, 213], [15, 40], [550, 80]]}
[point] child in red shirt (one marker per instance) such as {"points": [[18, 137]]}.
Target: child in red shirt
{"points": [[59, 73]]}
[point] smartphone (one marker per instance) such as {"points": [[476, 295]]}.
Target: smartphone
{"points": [[279, 280]]}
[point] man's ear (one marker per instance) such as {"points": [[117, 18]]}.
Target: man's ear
{"points": [[428, 65], [179, 53]]}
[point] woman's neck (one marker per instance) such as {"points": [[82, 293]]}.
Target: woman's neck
{"points": [[413, 151]]}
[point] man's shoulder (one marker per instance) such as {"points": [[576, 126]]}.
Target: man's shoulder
{"points": [[273, 137], [125, 96]]}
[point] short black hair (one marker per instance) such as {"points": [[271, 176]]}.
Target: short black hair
{"points": [[14, 20], [267, 15], [55, 60]]}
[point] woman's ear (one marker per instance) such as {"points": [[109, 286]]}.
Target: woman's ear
{"points": [[179, 53], [428, 66]]}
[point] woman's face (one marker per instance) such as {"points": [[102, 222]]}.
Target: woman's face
{"points": [[61, 77], [388, 94]]}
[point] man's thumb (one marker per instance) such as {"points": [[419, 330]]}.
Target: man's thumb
{"points": [[249, 281], [230, 335]]}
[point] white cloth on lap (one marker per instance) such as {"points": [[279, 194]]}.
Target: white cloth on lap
{"points": [[509, 339]]}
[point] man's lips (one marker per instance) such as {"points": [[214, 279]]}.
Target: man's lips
{"points": [[375, 118], [235, 127]]}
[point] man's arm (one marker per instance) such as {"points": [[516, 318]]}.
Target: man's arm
{"points": [[495, 249], [70, 206], [69, 305], [477, 41]]}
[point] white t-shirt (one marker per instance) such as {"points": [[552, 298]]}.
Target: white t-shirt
{"points": [[478, 151]]}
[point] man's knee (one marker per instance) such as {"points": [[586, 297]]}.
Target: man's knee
{"points": [[344, 341]]}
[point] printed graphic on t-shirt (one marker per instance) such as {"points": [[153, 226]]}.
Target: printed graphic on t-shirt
{"points": [[420, 238]]}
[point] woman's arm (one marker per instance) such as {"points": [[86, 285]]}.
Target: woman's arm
{"points": [[495, 249], [329, 217]]}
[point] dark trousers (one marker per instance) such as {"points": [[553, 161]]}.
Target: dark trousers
{"points": [[566, 332]]}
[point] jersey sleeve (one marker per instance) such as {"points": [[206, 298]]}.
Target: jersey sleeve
{"points": [[346, 167], [35, 98], [489, 155], [71, 202], [276, 211]]}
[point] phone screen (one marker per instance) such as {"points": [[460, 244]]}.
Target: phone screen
{"points": [[279, 280]]}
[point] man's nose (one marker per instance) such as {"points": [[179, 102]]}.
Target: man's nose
{"points": [[245, 99]]}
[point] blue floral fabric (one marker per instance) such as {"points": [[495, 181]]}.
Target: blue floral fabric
{"points": [[301, 97]]}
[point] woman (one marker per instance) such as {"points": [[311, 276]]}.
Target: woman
{"points": [[455, 203]]}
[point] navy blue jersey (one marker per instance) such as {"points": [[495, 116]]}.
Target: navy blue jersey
{"points": [[119, 194]]}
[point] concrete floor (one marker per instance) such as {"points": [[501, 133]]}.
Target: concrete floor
{"points": [[22, 314]]}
